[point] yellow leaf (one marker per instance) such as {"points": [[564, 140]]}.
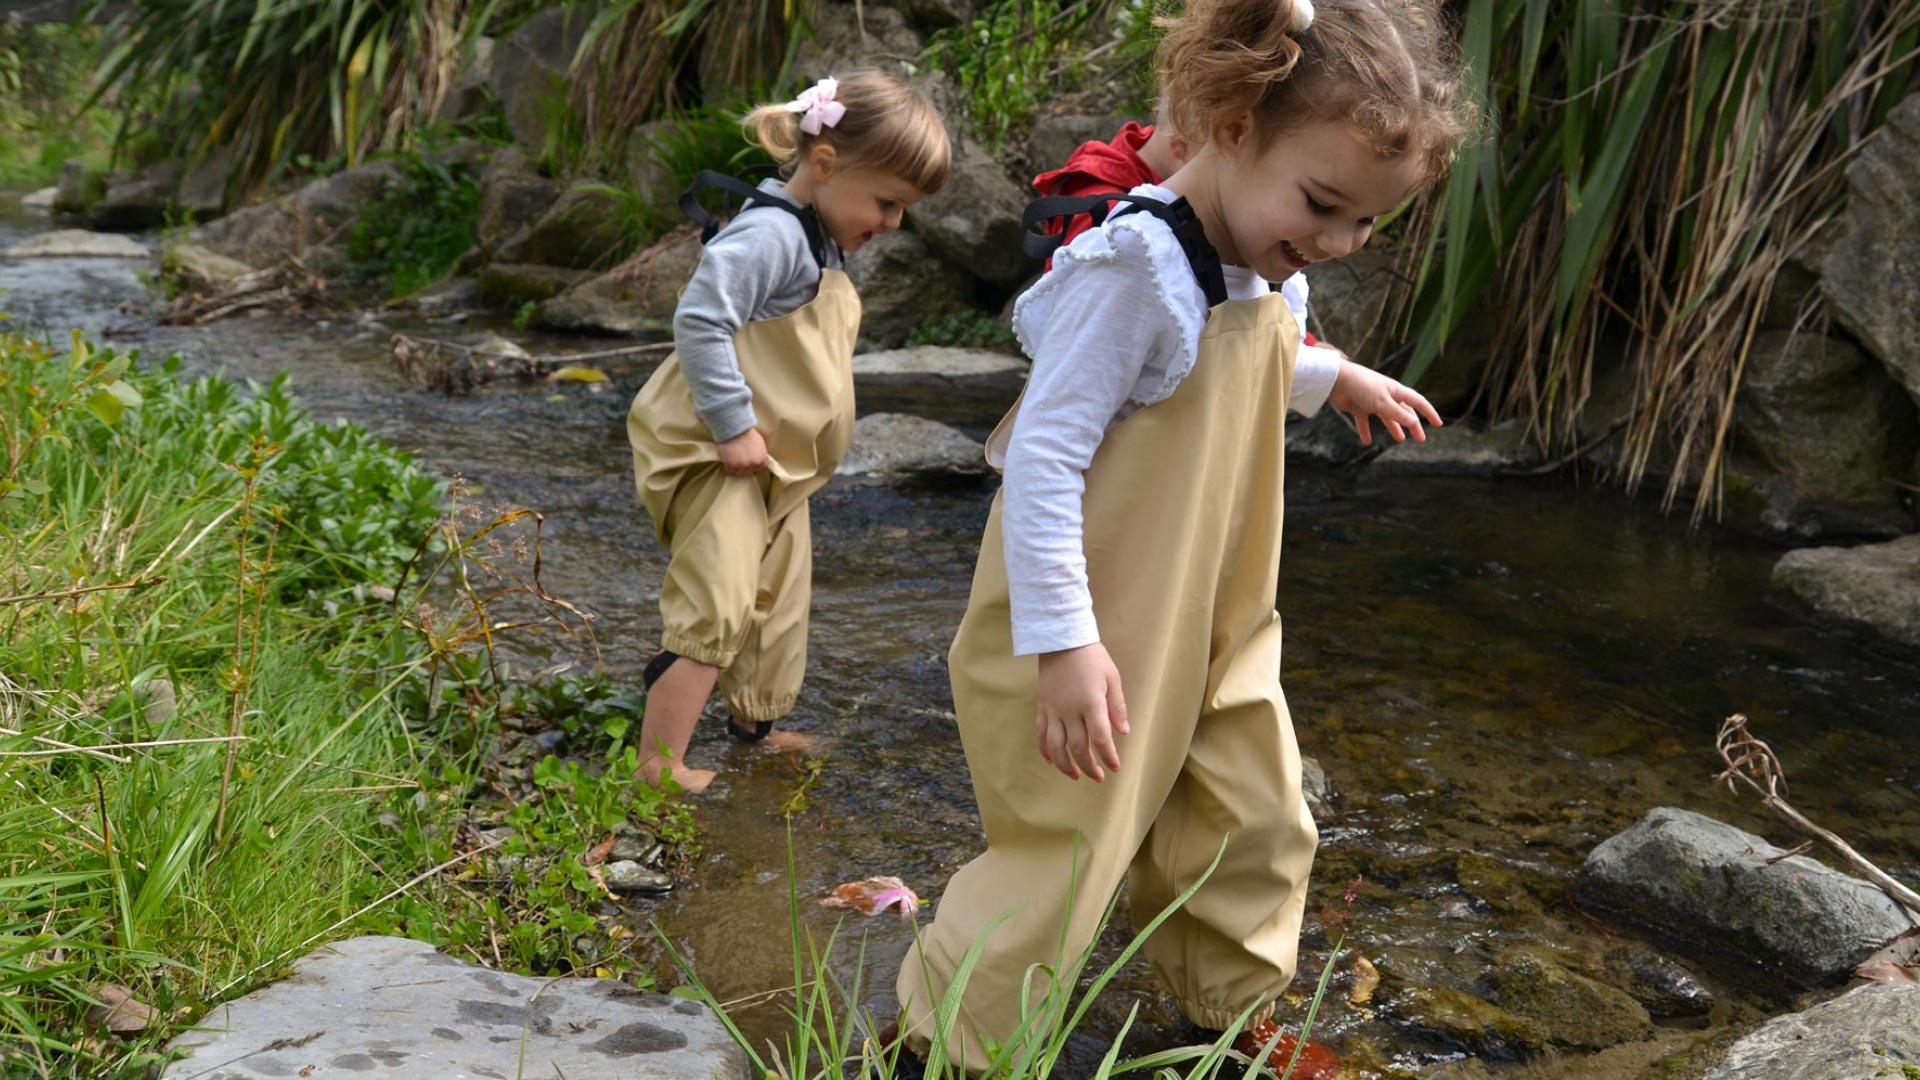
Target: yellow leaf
{"points": [[577, 373]]}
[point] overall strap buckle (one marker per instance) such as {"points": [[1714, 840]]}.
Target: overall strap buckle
{"points": [[751, 197]]}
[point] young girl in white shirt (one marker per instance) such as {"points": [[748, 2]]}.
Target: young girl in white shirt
{"points": [[1116, 676]]}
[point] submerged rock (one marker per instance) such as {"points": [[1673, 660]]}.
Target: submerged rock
{"points": [[1875, 587], [1869, 1033], [1574, 1011], [891, 444], [398, 1007], [1660, 984], [1731, 899], [76, 244]]}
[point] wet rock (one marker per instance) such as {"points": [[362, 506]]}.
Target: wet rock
{"points": [[902, 284], [636, 297], [1056, 137], [586, 228], [513, 195], [1661, 985], [1574, 1011], [845, 37], [975, 220], [80, 187], [1822, 438], [507, 286], [1868, 1033], [193, 268], [322, 214], [1726, 897], [641, 847], [40, 200], [891, 444], [397, 1008], [165, 192], [956, 386], [1469, 1021], [1460, 448], [75, 244], [528, 70], [1874, 587], [629, 876], [1872, 273], [1496, 884]]}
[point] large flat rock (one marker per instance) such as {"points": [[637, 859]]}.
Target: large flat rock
{"points": [[1872, 1031], [76, 244], [969, 388], [1874, 586], [1729, 898], [387, 1006]]}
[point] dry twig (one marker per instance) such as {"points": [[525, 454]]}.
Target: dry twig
{"points": [[1753, 763]]}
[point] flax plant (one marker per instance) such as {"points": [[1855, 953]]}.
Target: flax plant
{"points": [[1654, 165]]}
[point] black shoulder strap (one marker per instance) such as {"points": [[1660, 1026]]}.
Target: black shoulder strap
{"points": [[752, 196], [1178, 215]]}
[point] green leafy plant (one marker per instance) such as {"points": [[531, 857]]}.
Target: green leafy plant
{"points": [[415, 234], [1653, 167], [964, 330], [1011, 59], [44, 70]]}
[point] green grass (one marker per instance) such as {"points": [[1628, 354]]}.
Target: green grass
{"points": [[224, 738]]}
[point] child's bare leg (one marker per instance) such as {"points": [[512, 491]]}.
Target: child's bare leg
{"points": [[673, 708]]}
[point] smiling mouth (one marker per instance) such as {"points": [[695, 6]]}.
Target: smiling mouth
{"points": [[1293, 253]]}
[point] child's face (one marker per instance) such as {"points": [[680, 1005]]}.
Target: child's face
{"points": [[859, 204], [1308, 196]]}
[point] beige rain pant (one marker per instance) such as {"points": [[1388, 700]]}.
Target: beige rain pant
{"points": [[1183, 513], [740, 578]]}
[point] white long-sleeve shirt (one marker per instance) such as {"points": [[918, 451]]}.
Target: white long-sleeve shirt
{"points": [[1112, 328]]}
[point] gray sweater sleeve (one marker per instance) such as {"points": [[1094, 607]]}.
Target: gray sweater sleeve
{"points": [[749, 270]]}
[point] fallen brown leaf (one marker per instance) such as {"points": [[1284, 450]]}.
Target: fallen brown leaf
{"points": [[119, 1012], [1366, 979], [1899, 962]]}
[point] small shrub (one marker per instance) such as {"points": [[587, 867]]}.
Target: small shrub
{"points": [[1011, 60], [415, 233]]}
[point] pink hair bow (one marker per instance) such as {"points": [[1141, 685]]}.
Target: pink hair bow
{"points": [[816, 106]]}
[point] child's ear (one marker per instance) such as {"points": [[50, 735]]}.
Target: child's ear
{"points": [[824, 161], [1231, 136]]}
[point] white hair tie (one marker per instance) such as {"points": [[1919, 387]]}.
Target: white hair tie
{"points": [[817, 108], [1302, 15]]}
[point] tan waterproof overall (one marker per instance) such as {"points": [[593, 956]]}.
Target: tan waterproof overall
{"points": [[1182, 524], [740, 579]]}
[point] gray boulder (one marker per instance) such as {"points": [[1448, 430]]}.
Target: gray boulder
{"points": [[901, 284], [1874, 587], [513, 195], [1461, 449], [1872, 274], [75, 244], [1347, 301], [1054, 138], [650, 174], [529, 70], [469, 97], [975, 220], [892, 445], [1727, 897], [1870, 1032], [636, 297], [586, 228], [42, 199], [1822, 437], [967, 387], [79, 188], [846, 37], [321, 214], [164, 193], [397, 1006]]}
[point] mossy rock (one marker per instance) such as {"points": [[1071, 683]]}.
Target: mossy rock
{"points": [[1470, 1022], [509, 285], [1573, 1010]]}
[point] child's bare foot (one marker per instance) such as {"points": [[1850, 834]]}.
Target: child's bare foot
{"points": [[790, 742], [691, 781]]}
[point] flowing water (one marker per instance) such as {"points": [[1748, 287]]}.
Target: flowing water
{"points": [[1495, 675]]}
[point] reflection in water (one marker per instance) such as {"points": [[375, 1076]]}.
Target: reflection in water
{"points": [[1496, 676]]}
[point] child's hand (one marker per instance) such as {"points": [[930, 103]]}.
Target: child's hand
{"points": [[1079, 710], [744, 454], [1363, 393]]}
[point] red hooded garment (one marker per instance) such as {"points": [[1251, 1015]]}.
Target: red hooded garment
{"points": [[1101, 168]]}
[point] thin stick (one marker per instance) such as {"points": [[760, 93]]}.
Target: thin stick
{"points": [[1748, 758], [69, 748], [71, 593], [541, 358]]}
